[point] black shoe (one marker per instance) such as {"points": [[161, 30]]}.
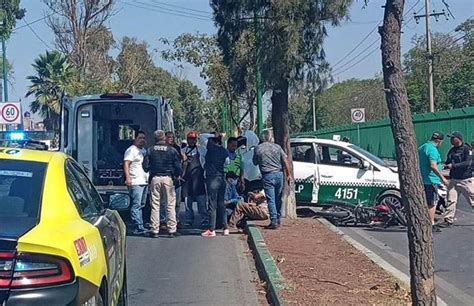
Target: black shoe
{"points": [[436, 229], [444, 224], [137, 232], [273, 226], [174, 235], [154, 235]]}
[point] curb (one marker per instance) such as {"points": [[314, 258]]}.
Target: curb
{"points": [[266, 265], [404, 278]]}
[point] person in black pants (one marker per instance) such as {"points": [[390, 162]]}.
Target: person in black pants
{"points": [[216, 158]]}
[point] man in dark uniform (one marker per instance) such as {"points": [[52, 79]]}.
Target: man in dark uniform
{"points": [[194, 189], [164, 165], [460, 163]]}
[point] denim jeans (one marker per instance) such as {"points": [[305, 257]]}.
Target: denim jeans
{"points": [[178, 207], [201, 201], [215, 192], [273, 186], [138, 195]]}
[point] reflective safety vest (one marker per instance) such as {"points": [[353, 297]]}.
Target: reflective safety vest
{"points": [[234, 165]]}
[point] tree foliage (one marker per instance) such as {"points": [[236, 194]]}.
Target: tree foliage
{"points": [[10, 12], [54, 77], [289, 48], [452, 68], [76, 26]]}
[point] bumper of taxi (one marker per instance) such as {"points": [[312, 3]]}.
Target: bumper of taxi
{"points": [[77, 293]]}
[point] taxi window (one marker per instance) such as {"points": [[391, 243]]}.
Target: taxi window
{"points": [[21, 188], [303, 152], [84, 195], [337, 156]]}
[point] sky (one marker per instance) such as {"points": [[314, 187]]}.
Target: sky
{"points": [[148, 20]]}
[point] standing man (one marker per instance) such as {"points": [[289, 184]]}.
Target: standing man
{"points": [[235, 164], [171, 140], [164, 165], [460, 165], [136, 180], [216, 159], [194, 189], [272, 160], [430, 168]]}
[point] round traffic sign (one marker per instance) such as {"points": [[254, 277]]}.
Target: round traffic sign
{"points": [[358, 115], [10, 112]]}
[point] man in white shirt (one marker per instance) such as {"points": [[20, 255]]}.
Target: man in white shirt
{"points": [[136, 180]]}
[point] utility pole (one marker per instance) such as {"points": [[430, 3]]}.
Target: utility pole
{"points": [[258, 77], [5, 73], [429, 54], [313, 103]]}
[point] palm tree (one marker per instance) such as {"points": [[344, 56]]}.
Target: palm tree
{"points": [[54, 77]]}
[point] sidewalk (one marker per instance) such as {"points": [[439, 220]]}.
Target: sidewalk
{"points": [[320, 268]]}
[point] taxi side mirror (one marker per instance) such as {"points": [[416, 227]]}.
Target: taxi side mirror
{"points": [[119, 201]]}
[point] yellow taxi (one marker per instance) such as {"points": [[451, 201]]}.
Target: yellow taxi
{"points": [[59, 244]]}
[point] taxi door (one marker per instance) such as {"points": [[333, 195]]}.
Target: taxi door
{"points": [[306, 172], [344, 177], [111, 234]]}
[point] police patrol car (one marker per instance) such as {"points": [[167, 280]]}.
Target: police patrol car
{"points": [[328, 171]]}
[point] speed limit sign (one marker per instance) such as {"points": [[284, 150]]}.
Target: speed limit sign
{"points": [[358, 115], [10, 113]]}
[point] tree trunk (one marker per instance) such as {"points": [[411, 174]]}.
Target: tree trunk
{"points": [[420, 238], [280, 123]]}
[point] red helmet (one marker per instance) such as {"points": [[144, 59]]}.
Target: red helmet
{"points": [[192, 135]]}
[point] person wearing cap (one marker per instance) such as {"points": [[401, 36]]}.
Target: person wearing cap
{"points": [[194, 189], [430, 168], [460, 165]]}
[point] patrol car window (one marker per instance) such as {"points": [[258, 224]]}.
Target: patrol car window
{"points": [[90, 190], [78, 193], [336, 156], [303, 153], [21, 188]]}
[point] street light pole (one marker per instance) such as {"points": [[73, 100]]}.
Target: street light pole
{"points": [[430, 56], [258, 78]]}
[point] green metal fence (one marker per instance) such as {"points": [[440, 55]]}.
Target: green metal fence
{"points": [[377, 138]]}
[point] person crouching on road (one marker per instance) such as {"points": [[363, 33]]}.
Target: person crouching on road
{"points": [[215, 160], [164, 165], [430, 168], [136, 180], [460, 162], [256, 209], [231, 196], [272, 160]]}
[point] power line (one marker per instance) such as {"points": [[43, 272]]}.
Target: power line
{"points": [[363, 58], [33, 22], [365, 38], [146, 6], [338, 71], [36, 34], [181, 7], [180, 11]]}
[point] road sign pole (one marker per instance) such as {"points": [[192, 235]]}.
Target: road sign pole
{"points": [[5, 74], [358, 134]]}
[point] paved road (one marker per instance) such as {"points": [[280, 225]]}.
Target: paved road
{"points": [[454, 254], [190, 270]]}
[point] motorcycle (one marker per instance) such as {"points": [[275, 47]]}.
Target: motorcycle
{"points": [[385, 213]]}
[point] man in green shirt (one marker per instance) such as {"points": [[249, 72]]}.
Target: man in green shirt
{"points": [[235, 165], [430, 168]]}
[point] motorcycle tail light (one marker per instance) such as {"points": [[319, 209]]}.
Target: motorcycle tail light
{"points": [[382, 208]]}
